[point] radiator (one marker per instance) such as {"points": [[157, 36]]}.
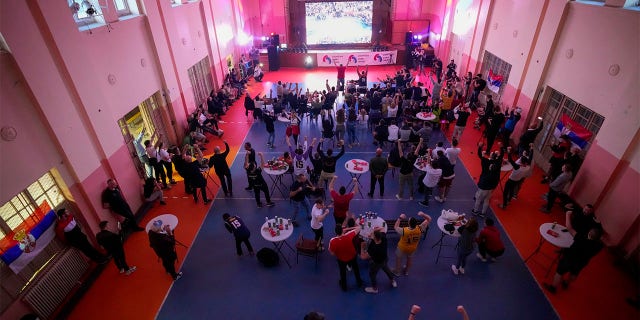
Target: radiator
{"points": [[55, 282]]}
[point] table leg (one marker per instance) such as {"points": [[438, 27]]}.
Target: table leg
{"points": [[536, 250], [439, 244], [273, 184], [280, 183], [278, 246]]}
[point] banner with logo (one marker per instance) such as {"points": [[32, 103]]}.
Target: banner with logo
{"points": [[356, 58], [29, 239]]}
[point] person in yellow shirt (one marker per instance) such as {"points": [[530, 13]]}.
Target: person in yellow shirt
{"points": [[409, 239]]}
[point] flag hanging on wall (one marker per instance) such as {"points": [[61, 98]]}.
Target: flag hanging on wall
{"points": [[494, 81], [19, 248], [578, 134]]}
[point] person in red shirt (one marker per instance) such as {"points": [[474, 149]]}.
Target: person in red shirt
{"points": [[342, 247], [489, 242], [341, 74], [68, 230], [341, 200]]}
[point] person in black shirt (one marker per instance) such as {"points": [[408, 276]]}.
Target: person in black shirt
{"points": [[112, 242], [112, 199], [489, 178], [269, 119], [254, 173], [219, 163], [249, 157], [529, 136], [298, 196], [463, 115], [240, 232], [329, 161], [163, 243], [194, 176], [377, 252], [495, 122], [406, 169]]}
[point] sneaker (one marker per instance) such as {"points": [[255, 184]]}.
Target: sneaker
{"points": [[122, 270], [206, 201], [394, 283], [461, 270], [248, 188], [423, 203], [370, 195], [349, 268], [475, 212], [259, 205], [162, 202], [502, 206], [398, 197], [173, 182], [493, 259], [514, 198], [370, 290], [483, 259], [438, 199], [411, 198], [565, 284], [131, 270], [178, 276], [544, 210], [454, 269], [271, 204]]}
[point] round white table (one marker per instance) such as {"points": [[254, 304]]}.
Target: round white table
{"points": [[356, 167], [441, 223], [167, 219], [279, 239], [276, 178], [426, 116], [370, 225], [557, 235], [420, 164]]}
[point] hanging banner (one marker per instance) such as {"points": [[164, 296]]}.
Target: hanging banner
{"points": [[356, 58], [578, 134], [494, 81], [19, 248]]}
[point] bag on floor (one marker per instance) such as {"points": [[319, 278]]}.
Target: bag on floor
{"points": [[268, 257]]}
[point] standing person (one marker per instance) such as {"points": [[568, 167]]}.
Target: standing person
{"points": [[154, 161], [300, 157], [520, 172], [113, 200], [329, 161], [430, 179], [557, 187], [489, 179], [495, 122], [362, 76], [512, 119], [586, 245], [298, 196], [269, 120], [193, 174], [249, 106], [406, 169], [465, 245], [409, 239], [377, 252], [249, 157], [352, 118], [241, 233], [163, 242], [318, 214], [489, 242], [463, 113], [219, 163], [256, 179], [341, 199], [112, 242], [378, 167], [341, 246], [165, 160], [446, 179], [341, 74], [68, 230], [453, 152], [529, 136], [557, 158]]}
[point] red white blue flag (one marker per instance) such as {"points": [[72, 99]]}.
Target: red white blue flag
{"points": [[29, 239], [578, 134], [494, 81]]}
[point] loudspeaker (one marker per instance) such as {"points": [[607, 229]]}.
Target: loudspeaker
{"points": [[274, 59], [275, 40], [268, 257], [408, 37]]}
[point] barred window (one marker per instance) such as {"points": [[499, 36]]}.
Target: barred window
{"points": [[201, 80]]}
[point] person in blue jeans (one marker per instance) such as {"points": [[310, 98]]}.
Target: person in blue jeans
{"points": [[465, 245], [241, 233], [298, 195]]}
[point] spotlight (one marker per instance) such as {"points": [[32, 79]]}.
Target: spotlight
{"points": [[415, 37], [264, 38], [419, 37], [308, 62]]}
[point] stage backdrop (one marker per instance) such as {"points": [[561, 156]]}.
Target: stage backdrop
{"points": [[356, 58]]}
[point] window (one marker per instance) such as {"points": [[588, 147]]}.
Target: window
{"points": [[499, 68], [122, 7], [201, 80], [86, 13], [23, 211]]}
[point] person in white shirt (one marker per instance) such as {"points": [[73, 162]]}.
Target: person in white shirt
{"points": [[521, 170], [318, 214], [165, 159], [453, 152], [393, 132], [430, 180], [439, 147], [258, 74]]}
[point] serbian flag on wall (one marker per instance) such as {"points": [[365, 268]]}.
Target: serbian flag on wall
{"points": [[29, 239], [494, 81], [578, 134]]}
